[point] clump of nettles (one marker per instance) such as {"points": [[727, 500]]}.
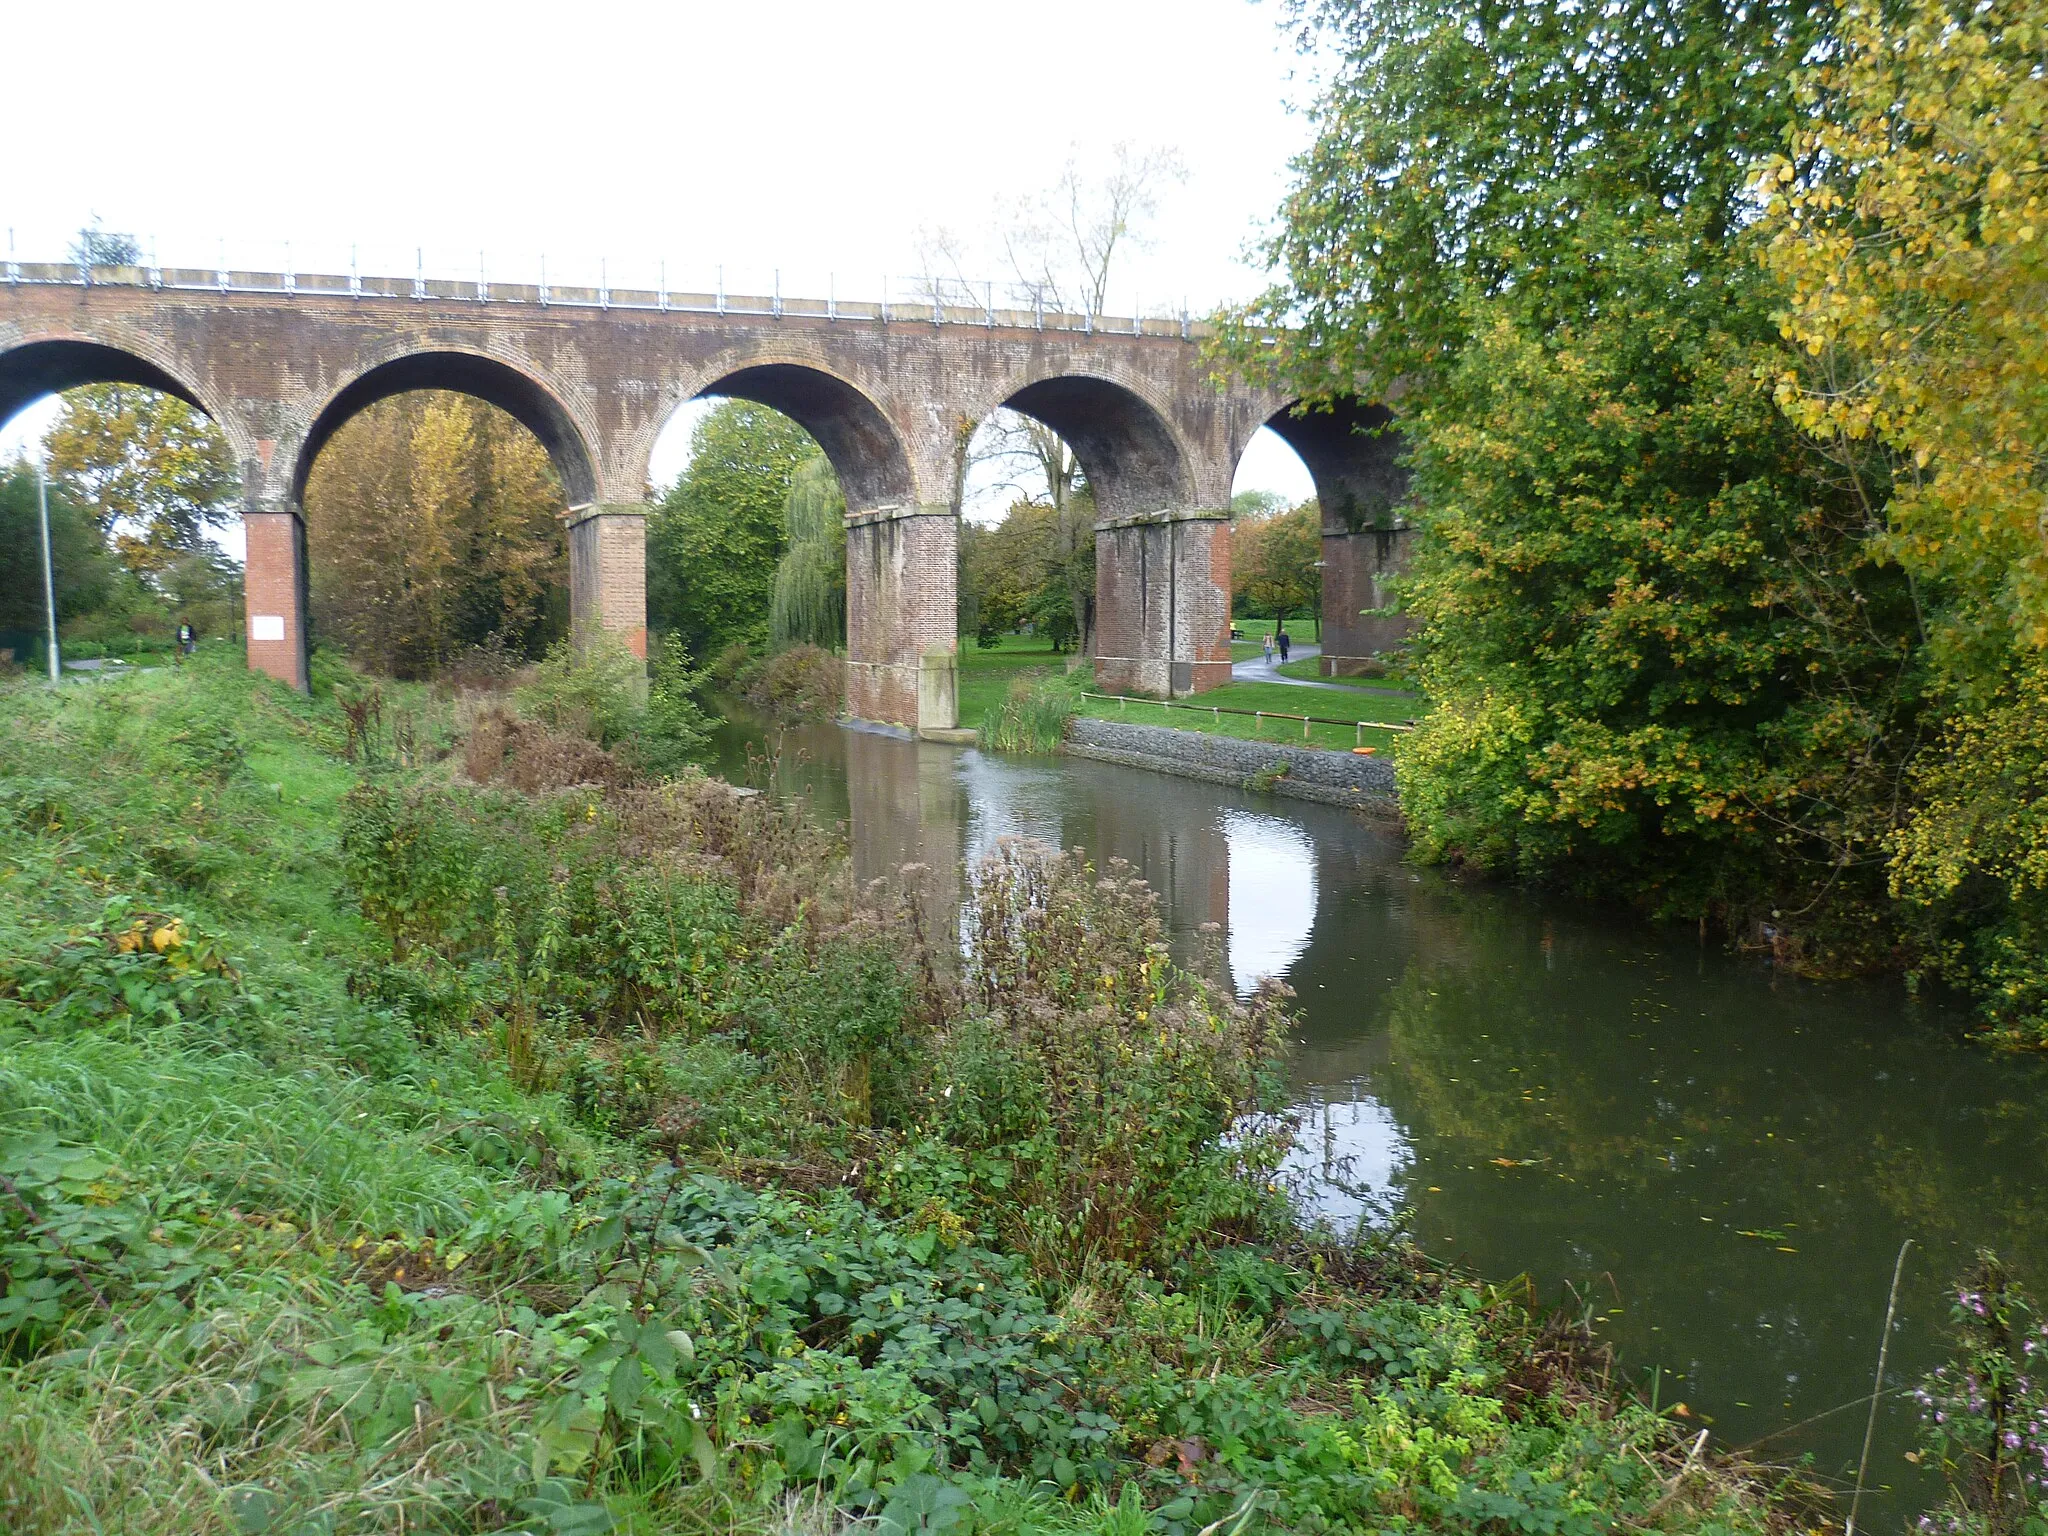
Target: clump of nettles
{"points": [[1984, 1416]]}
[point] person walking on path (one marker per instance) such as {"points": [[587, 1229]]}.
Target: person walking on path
{"points": [[1267, 640], [1280, 636]]}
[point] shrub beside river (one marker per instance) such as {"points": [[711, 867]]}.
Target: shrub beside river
{"points": [[389, 1150]]}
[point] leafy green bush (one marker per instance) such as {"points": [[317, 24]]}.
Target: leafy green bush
{"points": [[594, 688], [1122, 1087], [675, 727], [1972, 859]]}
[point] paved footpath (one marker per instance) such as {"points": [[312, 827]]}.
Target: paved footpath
{"points": [[1260, 670]]}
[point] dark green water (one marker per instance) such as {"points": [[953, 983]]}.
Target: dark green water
{"points": [[1719, 1162]]}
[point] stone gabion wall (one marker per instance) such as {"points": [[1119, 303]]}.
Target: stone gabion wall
{"points": [[1334, 778]]}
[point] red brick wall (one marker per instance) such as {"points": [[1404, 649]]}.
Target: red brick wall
{"points": [[608, 574], [902, 567], [274, 588]]}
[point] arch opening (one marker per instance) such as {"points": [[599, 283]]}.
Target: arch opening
{"points": [[866, 454], [39, 368], [144, 492], [1027, 555], [1160, 616], [521, 397], [1276, 554], [1352, 454], [746, 540], [434, 544], [1127, 451]]}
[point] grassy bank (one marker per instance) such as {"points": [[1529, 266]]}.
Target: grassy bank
{"points": [[388, 1149]]}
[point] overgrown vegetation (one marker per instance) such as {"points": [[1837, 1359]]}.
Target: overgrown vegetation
{"points": [[1984, 1415], [386, 1149]]}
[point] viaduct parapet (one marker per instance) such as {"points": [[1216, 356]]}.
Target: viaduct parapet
{"points": [[892, 394]]}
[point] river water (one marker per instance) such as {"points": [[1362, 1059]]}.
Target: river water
{"points": [[1719, 1162]]}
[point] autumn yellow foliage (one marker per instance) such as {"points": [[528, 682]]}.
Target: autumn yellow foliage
{"points": [[1909, 224]]}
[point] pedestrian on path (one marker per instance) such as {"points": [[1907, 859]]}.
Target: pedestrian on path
{"points": [[1267, 640], [1280, 635]]}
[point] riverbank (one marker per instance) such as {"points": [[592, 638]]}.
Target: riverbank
{"points": [[1281, 768], [607, 1158]]}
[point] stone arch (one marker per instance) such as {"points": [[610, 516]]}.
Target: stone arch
{"points": [[1160, 619], [1135, 461], [50, 365], [532, 403], [863, 445], [1352, 451]]}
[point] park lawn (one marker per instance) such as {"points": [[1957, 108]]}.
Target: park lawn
{"points": [[986, 675], [1280, 698], [1255, 631]]}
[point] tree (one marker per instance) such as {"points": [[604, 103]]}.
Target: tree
{"points": [[809, 605], [432, 525], [1909, 223], [97, 247], [1011, 574], [1060, 250], [1663, 658], [1276, 562], [714, 541], [81, 568], [153, 473]]}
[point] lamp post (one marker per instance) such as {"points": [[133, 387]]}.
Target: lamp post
{"points": [[49, 581]]}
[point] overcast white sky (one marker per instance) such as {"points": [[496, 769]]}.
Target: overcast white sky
{"points": [[817, 138]]}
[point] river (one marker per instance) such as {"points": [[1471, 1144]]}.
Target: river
{"points": [[1716, 1161]]}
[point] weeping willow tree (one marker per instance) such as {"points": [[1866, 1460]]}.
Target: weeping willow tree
{"points": [[809, 606]]}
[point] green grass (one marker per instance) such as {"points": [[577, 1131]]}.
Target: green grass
{"points": [[1305, 631], [1281, 698], [986, 675]]}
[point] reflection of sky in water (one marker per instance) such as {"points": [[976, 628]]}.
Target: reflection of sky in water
{"points": [[1348, 1159], [1272, 895], [1011, 797]]}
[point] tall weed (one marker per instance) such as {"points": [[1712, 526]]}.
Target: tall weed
{"points": [[1031, 719]]}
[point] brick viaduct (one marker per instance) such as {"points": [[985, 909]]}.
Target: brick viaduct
{"points": [[891, 393]]}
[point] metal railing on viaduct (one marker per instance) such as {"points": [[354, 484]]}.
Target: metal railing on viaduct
{"points": [[891, 391]]}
